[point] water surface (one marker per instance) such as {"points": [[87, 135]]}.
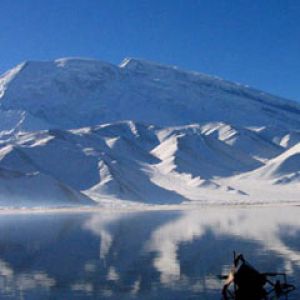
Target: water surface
{"points": [[142, 255]]}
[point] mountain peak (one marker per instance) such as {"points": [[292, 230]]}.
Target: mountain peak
{"points": [[137, 64], [75, 92]]}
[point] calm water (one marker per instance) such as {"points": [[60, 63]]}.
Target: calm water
{"points": [[148, 255]]}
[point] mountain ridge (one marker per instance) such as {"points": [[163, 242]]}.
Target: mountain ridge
{"points": [[138, 91], [143, 132]]}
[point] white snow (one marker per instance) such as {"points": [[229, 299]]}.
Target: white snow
{"points": [[72, 93], [35, 189], [189, 138]]}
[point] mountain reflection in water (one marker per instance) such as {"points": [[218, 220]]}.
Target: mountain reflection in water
{"points": [[142, 255]]}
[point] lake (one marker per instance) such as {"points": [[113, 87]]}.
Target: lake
{"points": [[142, 255]]}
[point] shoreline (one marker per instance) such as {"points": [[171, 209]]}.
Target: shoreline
{"points": [[139, 208]]}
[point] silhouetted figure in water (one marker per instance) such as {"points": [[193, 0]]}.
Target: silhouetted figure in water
{"points": [[244, 282]]}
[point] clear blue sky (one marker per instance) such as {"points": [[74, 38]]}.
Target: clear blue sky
{"points": [[255, 42]]}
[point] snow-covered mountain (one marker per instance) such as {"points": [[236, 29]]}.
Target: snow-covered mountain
{"points": [[72, 93], [188, 136]]}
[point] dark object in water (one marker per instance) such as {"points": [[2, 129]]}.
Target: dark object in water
{"points": [[244, 282]]}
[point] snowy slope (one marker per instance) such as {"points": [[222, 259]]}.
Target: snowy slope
{"points": [[190, 138], [148, 164], [19, 189], [283, 169], [72, 93]]}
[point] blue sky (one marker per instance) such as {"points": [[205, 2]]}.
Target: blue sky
{"points": [[255, 42]]}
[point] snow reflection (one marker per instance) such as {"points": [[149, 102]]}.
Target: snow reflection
{"points": [[135, 255], [15, 284], [264, 226]]}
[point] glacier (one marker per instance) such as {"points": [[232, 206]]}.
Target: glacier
{"points": [[83, 132]]}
